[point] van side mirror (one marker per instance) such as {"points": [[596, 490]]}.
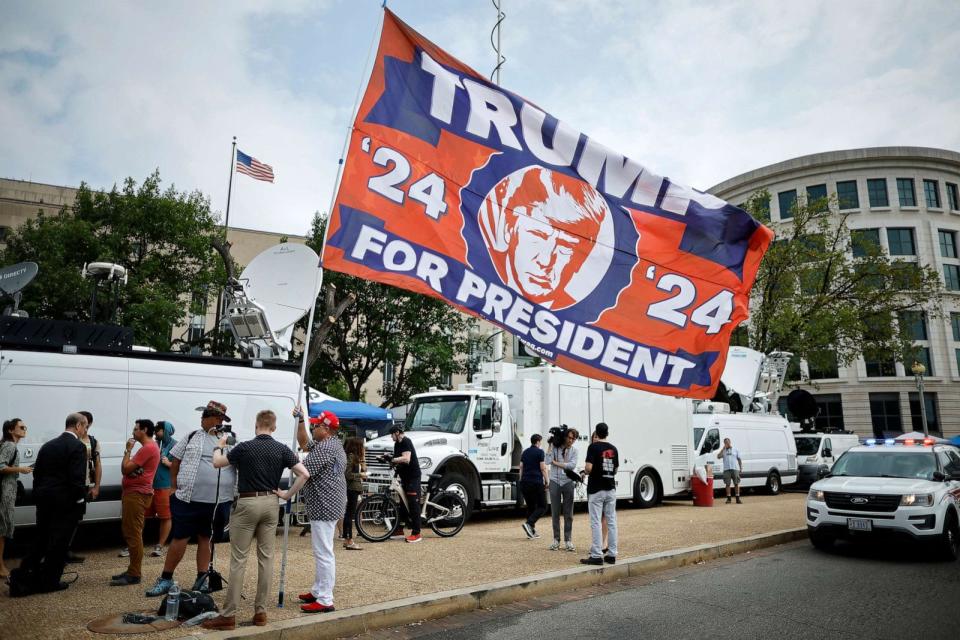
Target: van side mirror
{"points": [[827, 453]]}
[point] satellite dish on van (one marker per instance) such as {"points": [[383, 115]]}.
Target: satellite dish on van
{"points": [[274, 291], [12, 281], [803, 406]]}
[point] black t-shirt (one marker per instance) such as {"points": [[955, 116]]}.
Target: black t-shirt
{"points": [[409, 473], [531, 459], [260, 463], [605, 460]]}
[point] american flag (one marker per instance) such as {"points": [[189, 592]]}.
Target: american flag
{"points": [[253, 167]]}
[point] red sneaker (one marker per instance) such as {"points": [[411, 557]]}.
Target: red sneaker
{"points": [[316, 607], [414, 538], [307, 597]]}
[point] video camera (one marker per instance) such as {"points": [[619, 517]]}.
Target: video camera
{"points": [[558, 436], [228, 430], [386, 458]]}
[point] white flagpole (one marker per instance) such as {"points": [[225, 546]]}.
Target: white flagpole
{"points": [[319, 284]]}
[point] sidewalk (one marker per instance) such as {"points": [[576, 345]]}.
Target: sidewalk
{"points": [[488, 549]]}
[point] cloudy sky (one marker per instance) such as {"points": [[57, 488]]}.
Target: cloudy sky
{"points": [[698, 91]]}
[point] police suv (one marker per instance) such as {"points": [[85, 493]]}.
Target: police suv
{"points": [[910, 488]]}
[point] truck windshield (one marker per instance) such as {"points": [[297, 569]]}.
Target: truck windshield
{"points": [[886, 464], [444, 413], [807, 446]]}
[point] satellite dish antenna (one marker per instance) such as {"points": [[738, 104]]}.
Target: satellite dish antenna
{"points": [[275, 290], [13, 279], [109, 273], [803, 406]]}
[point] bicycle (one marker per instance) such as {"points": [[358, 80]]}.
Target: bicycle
{"points": [[378, 515]]}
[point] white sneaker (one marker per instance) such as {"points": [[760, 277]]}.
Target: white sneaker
{"points": [[157, 551], [124, 553], [536, 536], [399, 536], [570, 546], [555, 546]]}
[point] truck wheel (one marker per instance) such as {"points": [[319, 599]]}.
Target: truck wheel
{"points": [[950, 538], [646, 489], [458, 484], [773, 483], [820, 539]]}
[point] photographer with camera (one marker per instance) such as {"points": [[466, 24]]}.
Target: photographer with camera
{"points": [[202, 494], [563, 461]]}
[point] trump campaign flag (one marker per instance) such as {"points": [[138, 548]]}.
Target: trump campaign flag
{"points": [[459, 189]]}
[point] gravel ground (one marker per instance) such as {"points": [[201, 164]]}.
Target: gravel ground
{"points": [[490, 548]]}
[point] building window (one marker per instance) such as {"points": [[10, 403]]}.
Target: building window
{"points": [[831, 411], [823, 366], [5, 233], [847, 197], [957, 354], [953, 196], [879, 365], [877, 191], [865, 242], [900, 241], [951, 277], [915, 324], [787, 200], [948, 243], [885, 414], [955, 325], [931, 192], [933, 413], [905, 189], [817, 193], [389, 373]]}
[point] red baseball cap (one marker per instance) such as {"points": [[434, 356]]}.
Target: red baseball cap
{"points": [[327, 418]]}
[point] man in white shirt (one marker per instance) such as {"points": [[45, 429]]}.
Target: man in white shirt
{"points": [[732, 467]]}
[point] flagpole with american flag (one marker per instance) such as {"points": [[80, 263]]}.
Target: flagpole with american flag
{"points": [[233, 163]]}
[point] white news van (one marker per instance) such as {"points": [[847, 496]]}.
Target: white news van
{"points": [[42, 387], [817, 451], [472, 438]]}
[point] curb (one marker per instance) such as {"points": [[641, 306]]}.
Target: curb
{"points": [[351, 622]]}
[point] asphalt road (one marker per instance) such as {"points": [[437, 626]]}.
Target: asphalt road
{"points": [[792, 592]]}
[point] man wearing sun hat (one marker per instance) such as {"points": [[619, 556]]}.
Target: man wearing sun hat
{"points": [[196, 500], [325, 494]]}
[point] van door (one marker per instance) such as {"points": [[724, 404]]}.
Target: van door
{"points": [[489, 437]]}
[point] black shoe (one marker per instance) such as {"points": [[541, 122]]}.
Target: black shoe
{"points": [[610, 559], [118, 576], [74, 559], [591, 560], [728, 500], [606, 551], [124, 580], [738, 500]]}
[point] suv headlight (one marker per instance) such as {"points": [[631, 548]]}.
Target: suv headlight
{"points": [[425, 463], [815, 494], [917, 500]]}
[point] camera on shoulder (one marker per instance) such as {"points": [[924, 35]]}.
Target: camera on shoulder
{"points": [[558, 436]]}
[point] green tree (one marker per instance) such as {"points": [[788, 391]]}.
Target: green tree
{"points": [[163, 238], [423, 338], [829, 294]]}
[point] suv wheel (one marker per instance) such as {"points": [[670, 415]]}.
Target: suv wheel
{"points": [[773, 483], [950, 538], [820, 539]]}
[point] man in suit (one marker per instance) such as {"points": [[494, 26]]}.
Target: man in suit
{"points": [[59, 487]]}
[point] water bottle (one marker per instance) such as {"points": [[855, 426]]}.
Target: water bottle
{"points": [[173, 602]]}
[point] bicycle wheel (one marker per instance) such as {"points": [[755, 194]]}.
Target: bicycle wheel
{"points": [[446, 514], [376, 518]]}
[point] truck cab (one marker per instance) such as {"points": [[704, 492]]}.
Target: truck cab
{"points": [[464, 436]]}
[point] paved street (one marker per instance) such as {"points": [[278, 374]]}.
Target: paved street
{"points": [[787, 592]]}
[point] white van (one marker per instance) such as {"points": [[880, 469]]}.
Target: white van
{"points": [[42, 387], [765, 442], [816, 453]]}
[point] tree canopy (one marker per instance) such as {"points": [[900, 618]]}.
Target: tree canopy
{"points": [[163, 238], [830, 294], [423, 339]]}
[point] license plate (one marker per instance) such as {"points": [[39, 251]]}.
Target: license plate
{"points": [[859, 524]]}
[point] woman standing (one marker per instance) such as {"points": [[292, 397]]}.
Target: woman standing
{"points": [[562, 460], [355, 474], [13, 431]]}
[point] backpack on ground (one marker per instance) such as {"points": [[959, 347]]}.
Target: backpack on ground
{"points": [[192, 603]]}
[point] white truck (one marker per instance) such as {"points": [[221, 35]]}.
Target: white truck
{"points": [[472, 437]]}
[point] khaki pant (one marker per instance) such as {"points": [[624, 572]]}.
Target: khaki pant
{"points": [[252, 518], [133, 506]]}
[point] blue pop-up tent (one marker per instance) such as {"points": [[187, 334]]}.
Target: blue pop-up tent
{"points": [[359, 417]]}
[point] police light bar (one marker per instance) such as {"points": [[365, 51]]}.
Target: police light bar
{"points": [[870, 442], [927, 442], [889, 441]]}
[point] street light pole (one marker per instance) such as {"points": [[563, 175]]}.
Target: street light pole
{"points": [[918, 371]]}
